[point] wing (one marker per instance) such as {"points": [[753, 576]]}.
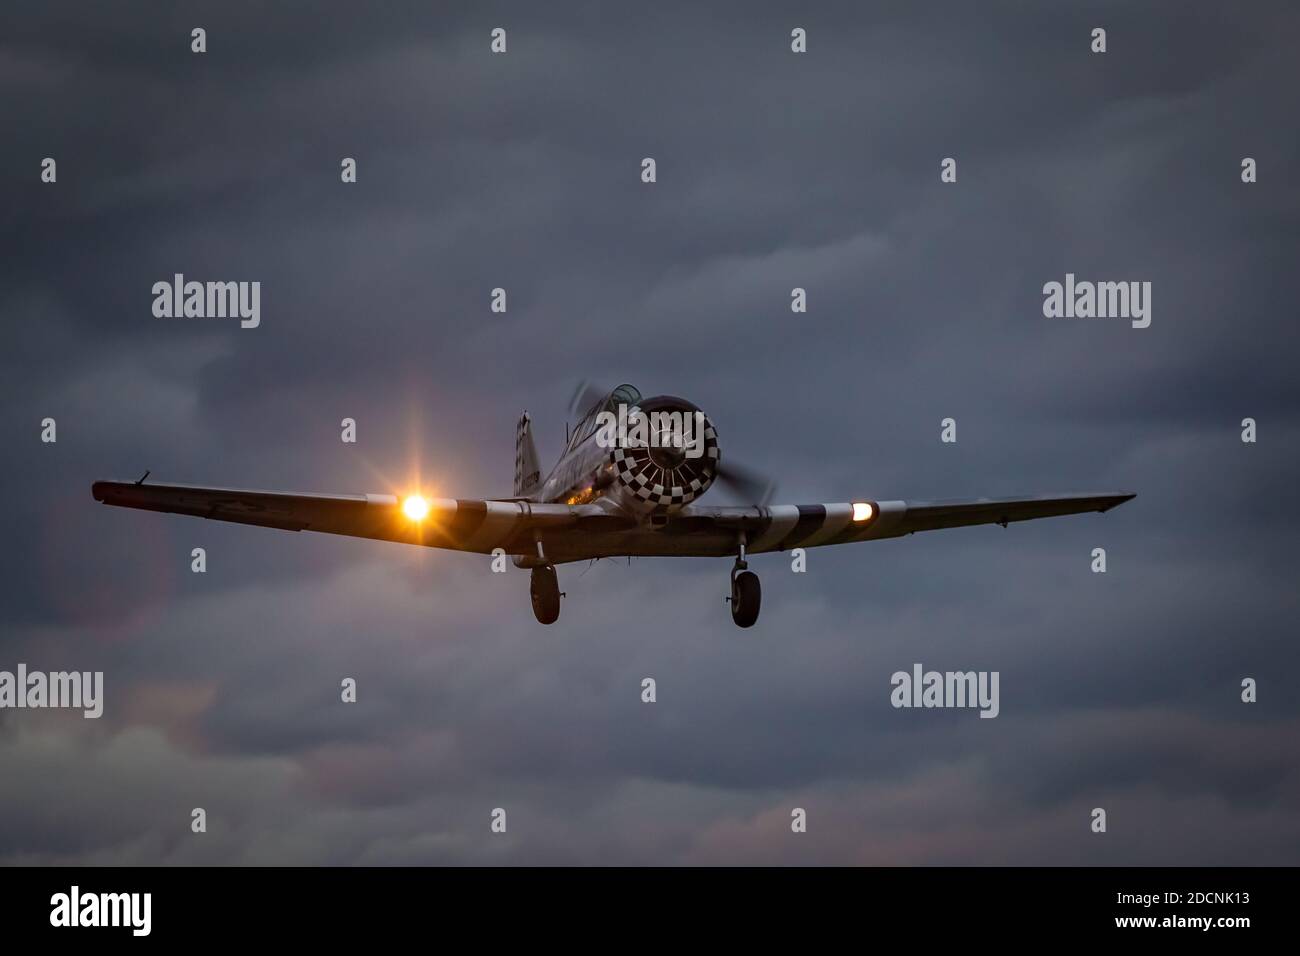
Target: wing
{"points": [[579, 532], [457, 524], [699, 531], [780, 527]]}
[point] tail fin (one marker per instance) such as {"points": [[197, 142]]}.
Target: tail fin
{"points": [[528, 476]]}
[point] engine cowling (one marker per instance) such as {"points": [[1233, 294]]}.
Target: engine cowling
{"points": [[673, 464]]}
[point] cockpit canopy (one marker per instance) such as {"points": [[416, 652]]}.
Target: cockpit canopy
{"points": [[623, 395]]}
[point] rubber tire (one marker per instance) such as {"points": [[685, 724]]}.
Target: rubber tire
{"points": [[544, 589], [746, 598]]}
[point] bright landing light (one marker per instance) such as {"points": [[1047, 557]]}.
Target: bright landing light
{"points": [[862, 510], [415, 508]]}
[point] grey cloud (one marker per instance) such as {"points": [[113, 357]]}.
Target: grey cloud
{"points": [[775, 171]]}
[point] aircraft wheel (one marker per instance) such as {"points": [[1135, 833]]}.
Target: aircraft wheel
{"points": [[746, 597], [544, 588]]}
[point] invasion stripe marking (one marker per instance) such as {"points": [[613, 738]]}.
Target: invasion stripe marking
{"points": [[782, 519], [811, 518], [838, 517], [500, 519], [466, 521], [888, 514]]}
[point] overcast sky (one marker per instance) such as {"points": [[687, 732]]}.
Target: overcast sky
{"points": [[775, 170]]}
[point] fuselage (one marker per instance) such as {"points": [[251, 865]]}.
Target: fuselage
{"points": [[583, 474]]}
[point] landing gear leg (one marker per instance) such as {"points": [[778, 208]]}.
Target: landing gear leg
{"points": [[746, 593], [544, 589]]}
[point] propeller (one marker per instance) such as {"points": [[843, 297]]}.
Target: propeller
{"points": [[587, 393], [751, 486]]}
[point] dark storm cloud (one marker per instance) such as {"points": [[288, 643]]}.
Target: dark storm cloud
{"points": [[775, 171]]}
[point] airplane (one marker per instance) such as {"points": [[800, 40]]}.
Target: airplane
{"points": [[611, 494]]}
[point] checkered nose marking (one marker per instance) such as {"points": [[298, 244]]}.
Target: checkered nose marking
{"points": [[667, 481]]}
